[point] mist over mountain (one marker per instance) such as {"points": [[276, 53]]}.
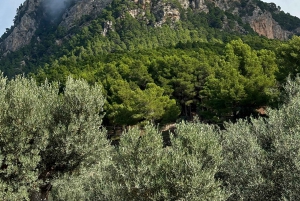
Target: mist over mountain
{"points": [[55, 7]]}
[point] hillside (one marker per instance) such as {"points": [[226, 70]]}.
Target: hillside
{"points": [[175, 53], [200, 100], [47, 23]]}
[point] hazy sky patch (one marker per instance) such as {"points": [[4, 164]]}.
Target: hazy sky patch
{"points": [[288, 6], [8, 10], [55, 7]]}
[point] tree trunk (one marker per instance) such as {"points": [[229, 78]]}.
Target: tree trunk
{"points": [[41, 195]]}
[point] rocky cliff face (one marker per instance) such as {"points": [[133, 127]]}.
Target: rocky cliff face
{"points": [[31, 13], [194, 4], [165, 11], [27, 21], [82, 8], [263, 23], [260, 21], [25, 28]]}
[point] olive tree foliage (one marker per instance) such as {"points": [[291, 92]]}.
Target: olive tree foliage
{"points": [[262, 158], [45, 134], [75, 135], [145, 170], [25, 113], [76, 129], [89, 183]]}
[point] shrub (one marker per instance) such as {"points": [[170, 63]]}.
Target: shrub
{"points": [[262, 158], [45, 134], [145, 170]]}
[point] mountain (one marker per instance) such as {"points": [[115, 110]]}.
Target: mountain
{"points": [[45, 30], [34, 15], [149, 61]]}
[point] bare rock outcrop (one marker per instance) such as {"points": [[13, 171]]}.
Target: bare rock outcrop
{"points": [[27, 22], [194, 4], [82, 8], [24, 29], [164, 12], [263, 24]]}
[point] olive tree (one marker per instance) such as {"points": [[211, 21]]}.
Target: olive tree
{"points": [[145, 170], [262, 156], [45, 134]]}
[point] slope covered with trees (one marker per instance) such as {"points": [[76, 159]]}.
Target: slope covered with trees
{"points": [[116, 29], [214, 80], [120, 70], [190, 66]]}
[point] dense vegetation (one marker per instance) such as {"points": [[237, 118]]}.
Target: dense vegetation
{"points": [[116, 70], [116, 30], [178, 69], [215, 80], [62, 150], [45, 133]]}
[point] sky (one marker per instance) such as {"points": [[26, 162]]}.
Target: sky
{"points": [[8, 10], [288, 6]]}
